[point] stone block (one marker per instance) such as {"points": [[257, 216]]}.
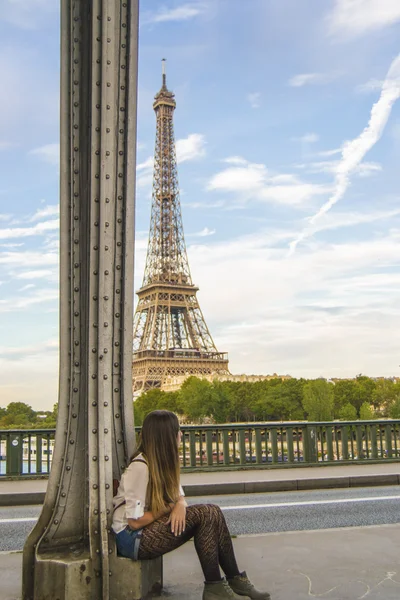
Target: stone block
{"points": [[135, 580], [66, 577]]}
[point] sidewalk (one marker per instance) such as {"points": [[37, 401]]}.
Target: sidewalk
{"points": [[335, 564], [31, 491]]}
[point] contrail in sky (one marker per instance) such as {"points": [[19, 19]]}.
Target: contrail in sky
{"points": [[354, 151]]}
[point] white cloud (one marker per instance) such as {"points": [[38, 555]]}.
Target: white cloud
{"points": [[354, 151], [26, 287], [184, 12], [38, 229], [336, 220], [191, 147], [255, 99], [324, 313], [364, 169], [49, 153], [252, 181], [307, 138], [28, 259], [310, 79], [235, 160], [147, 164], [50, 210], [203, 233], [39, 364], [37, 274], [357, 17], [5, 217], [22, 302], [187, 149], [329, 152], [372, 85]]}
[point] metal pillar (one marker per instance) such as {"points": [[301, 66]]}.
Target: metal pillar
{"points": [[71, 551]]}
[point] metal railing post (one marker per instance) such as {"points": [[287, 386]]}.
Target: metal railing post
{"points": [[14, 464], [311, 450]]}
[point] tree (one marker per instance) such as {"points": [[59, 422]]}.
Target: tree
{"points": [[348, 412], [344, 393], [394, 410], [198, 398], [365, 387], [18, 415], [223, 408], [147, 402], [318, 400], [385, 394], [282, 400], [366, 412]]}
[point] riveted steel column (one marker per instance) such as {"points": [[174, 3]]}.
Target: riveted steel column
{"points": [[71, 551]]}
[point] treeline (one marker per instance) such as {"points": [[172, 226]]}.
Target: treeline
{"points": [[199, 401], [19, 415]]}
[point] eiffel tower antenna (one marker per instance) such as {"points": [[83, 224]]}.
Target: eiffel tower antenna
{"points": [[170, 335]]}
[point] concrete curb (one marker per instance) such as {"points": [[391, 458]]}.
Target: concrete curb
{"points": [[290, 485], [243, 487]]}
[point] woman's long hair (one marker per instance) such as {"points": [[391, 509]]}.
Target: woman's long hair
{"points": [[159, 445]]}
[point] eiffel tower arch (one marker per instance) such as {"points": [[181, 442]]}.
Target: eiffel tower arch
{"points": [[170, 335]]}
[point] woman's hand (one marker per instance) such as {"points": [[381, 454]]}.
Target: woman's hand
{"points": [[177, 518]]}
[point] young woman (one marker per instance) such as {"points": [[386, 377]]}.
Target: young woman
{"points": [[151, 516]]}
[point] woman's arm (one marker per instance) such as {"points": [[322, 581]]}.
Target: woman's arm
{"points": [[147, 518]]}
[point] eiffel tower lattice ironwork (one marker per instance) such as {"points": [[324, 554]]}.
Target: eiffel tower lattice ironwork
{"points": [[170, 335]]}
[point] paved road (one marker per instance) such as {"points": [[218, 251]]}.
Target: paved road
{"points": [[260, 513]]}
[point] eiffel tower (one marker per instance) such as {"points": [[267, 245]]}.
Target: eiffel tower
{"points": [[170, 335]]}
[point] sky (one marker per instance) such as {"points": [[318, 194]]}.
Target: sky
{"points": [[288, 141]]}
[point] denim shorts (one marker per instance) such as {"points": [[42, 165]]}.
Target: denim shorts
{"points": [[128, 541]]}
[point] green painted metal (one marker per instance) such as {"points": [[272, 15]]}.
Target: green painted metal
{"points": [[359, 440], [225, 441], [258, 447], [233, 445], [374, 442], [192, 446], [242, 446], [274, 445], [209, 438], [388, 440], [289, 440], [329, 443]]}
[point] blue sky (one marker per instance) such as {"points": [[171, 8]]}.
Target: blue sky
{"points": [[288, 140]]}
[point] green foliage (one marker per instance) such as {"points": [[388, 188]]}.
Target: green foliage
{"points": [[318, 400], [394, 410], [348, 412], [385, 394], [366, 412], [199, 400]]}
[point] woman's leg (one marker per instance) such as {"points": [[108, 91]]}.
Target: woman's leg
{"points": [[204, 522], [226, 553]]}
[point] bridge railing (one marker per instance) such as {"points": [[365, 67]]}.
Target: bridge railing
{"points": [[29, 452]]}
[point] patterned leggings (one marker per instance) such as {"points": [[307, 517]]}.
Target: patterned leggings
{"points": [[206, 524]]}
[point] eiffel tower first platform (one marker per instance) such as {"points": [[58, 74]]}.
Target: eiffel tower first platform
{"points": [[170, 335]]}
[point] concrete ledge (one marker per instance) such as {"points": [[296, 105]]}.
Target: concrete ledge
{"points": [[367, 480], [242, 487], [20, 499], [215, 489], [257, 487], [323, 483], [290, 485]]}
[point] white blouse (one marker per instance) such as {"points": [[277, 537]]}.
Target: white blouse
{"points": [[131, 495]]}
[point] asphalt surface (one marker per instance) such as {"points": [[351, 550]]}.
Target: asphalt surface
{"points": [[260, 513]]}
